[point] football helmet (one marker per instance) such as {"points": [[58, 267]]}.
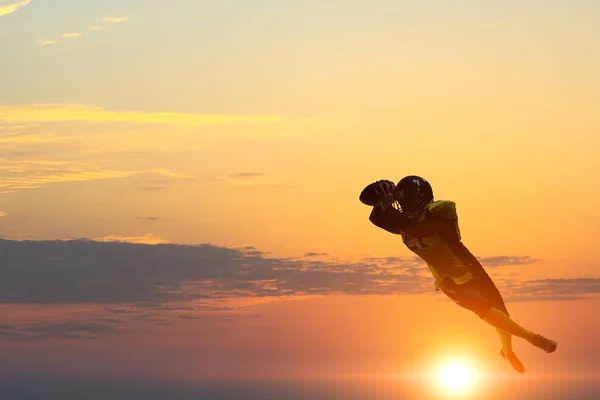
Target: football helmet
{"points": [[413, 194]]}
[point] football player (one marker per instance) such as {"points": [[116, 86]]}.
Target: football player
{"points": [[430, 230]]}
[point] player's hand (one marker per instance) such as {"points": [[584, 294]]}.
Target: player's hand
{"points": [[386, 191]]}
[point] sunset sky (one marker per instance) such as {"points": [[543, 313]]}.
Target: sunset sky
{"points": [[248, 129]]}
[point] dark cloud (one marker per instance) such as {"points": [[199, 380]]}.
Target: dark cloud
{"points": [[60, 329], [500, 261], [247, 175], [313, 254], [158, 284], [553, 289], [149, 218], [86, 271]]}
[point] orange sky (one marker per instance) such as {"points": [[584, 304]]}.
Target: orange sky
{"points": [[258, 125]]}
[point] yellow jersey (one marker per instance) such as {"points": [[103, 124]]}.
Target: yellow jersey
{"points": [[435, 237]]}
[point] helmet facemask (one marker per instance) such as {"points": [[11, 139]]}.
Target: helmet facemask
{"points": [[413, 195]]}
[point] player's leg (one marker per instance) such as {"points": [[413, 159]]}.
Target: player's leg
{"points": [[474, 296], [505, 341], [505, 326], [501, 321], [482, 297], [492, 293], [499, 317], [506, 351]]}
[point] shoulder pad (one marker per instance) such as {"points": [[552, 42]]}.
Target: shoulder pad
{"points": [[443, 209]]}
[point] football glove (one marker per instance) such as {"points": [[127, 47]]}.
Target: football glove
{"points": [[386, 191]]}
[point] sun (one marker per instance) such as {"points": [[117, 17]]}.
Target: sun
{"points": [[456, 376]]}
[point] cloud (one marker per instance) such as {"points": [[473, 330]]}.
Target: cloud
{"points": [[553, 289], [10, 8], [114, 20], [171, 174], [3, 214], [148, 238], [247, 180], [155, 185], [149, 218], [33, 155], [125, 285], [152, 188], [45, 42], [66, 112], [32, 174], [19, 174], [315, 254], [106, 22], [68, 46], [499, 261], [59, 329], [104, 271]]}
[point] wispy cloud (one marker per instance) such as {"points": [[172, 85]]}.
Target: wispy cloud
{"points": [[105, 24], [114, 20], [78, 112], [171, 174], [3, 214], [45, 42], [10, 8], [149, 218], [247, 180], [71, 35], [33, 174], [148, 238], [35, 154]]}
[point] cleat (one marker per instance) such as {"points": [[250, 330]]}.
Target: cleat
{"points": [[549, 346], [513, 360]]}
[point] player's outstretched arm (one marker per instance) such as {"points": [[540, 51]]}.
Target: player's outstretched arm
{"points": [[379, 195]]}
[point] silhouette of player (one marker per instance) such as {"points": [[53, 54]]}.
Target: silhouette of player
{"points": [[430, 230]]}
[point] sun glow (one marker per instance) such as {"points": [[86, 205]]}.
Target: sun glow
{"points": [[455, 376]]}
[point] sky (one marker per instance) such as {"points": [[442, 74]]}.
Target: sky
{"points": [[179, 185]]}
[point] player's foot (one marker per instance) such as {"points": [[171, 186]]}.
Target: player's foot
{"points": [[511, 357], [549, 346]]}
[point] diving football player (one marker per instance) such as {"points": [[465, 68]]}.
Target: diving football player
{"points": [[429, 228]]}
